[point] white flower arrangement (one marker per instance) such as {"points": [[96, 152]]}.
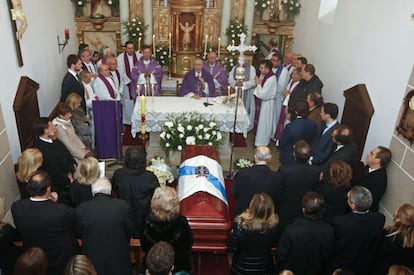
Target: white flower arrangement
{"points": [[135, 29], [230, 61], [235, 28], [291, 7], [161, 53], [189, 129], [242, 163], [261, 6], [161, 170]]}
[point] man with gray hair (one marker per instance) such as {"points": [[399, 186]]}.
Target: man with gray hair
{"points": [[104, 226], [257, 179], [357, 234]]}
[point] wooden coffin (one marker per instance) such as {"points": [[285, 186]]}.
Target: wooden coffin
{"points": [[207, 215]]}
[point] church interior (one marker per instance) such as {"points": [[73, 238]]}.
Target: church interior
{"points": [[350, 42]]}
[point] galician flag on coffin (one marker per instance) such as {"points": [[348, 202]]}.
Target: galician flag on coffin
{"points": [[201, 174]]}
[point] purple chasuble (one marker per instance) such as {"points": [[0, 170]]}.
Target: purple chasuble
{"points": [[153, 68]]}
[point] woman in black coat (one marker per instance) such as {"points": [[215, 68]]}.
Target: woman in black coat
{"points": [[253, 236], [335, 187], [86, 173], [397, 246], [165, 224]]}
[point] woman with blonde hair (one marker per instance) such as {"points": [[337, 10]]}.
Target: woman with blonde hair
{"points": [[27, 164], [86, 173], [80, 121], [252, 237], [80, 265], [397, 246], [166, 224], [335, 187]]}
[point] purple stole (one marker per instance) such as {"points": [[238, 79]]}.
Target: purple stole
{"points": [[258, 102], [279, 71], [108, 85], [128, 73], [119, 77], [103, 60]]}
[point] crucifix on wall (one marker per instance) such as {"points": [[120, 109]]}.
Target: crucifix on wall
{"points": [[17, 14]]}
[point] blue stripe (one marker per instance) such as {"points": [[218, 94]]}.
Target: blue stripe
{"points": [[190, 171]]}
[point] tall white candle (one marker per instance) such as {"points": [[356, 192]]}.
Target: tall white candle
{"points": [[169, 45], [165, 3], [205, 45], [218, 47], [139, 44], [153, 45]]}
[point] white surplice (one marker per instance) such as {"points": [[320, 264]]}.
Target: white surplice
{"points": [[265, 126]]}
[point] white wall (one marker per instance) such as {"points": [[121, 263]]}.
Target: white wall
{"points": [[369, 41], [42, 60]]}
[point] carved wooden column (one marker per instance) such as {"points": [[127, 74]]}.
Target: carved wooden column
{"points": [[225, 21], [124, 15], [147, 4]]}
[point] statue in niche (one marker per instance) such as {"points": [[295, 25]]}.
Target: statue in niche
{"points": [[186, 28], [18, 15]]}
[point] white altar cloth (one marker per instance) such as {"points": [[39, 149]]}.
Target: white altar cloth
{"points": [[159, 108]]}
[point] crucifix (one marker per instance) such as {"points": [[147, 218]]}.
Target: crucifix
{"points": [[240, 75]]}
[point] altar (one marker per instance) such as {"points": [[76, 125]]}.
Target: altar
{"points": [[158, 110]]}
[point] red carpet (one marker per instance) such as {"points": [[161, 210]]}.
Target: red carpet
{"points": [[128, 140], [239, 140]]}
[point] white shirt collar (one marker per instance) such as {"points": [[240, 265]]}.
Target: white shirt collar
{"points": [[49, 140], [339, 147], [72, 72], [34, 199]]}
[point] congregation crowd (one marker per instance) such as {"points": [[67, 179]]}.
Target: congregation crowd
{"points": [[318, 214]]}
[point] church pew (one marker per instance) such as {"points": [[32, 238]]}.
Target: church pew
{"points": [[135, 252]]}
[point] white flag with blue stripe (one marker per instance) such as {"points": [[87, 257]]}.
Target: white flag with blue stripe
{"points": [[203, 174]]}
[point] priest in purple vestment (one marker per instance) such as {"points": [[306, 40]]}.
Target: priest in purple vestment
{"points": [[218, 72], [197, 82], [147, 71]]}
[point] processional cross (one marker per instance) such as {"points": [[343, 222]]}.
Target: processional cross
{"points": [[241, 48]]}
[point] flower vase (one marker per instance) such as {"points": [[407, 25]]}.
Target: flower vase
{"points": [[79, 11], [173, 158]]}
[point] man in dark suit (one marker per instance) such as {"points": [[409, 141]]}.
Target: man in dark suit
{"points": [[306, 245], [311, 82], [300, 128], [57, 160], [357, 234], [299, 177], [106, 229], [323, 146], [257, 179], [71, 82], [345, 149], [374, 177], [45, 224]]}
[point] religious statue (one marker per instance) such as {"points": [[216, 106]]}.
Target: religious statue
{"points": [[99, 9], [18, 15], [186, 37]]}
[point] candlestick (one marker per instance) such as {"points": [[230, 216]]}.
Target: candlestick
{"points": [[232, 42], [279, 4], [228, 90], [152, 89], [143, 125], [218, 48], [205, 46], [165, 3], [67, 34], [145, 89], [169, 46], [153, 45], [242, 94], [139, 44]]}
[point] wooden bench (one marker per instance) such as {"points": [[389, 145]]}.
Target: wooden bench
{"points": [[135, 251]]}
